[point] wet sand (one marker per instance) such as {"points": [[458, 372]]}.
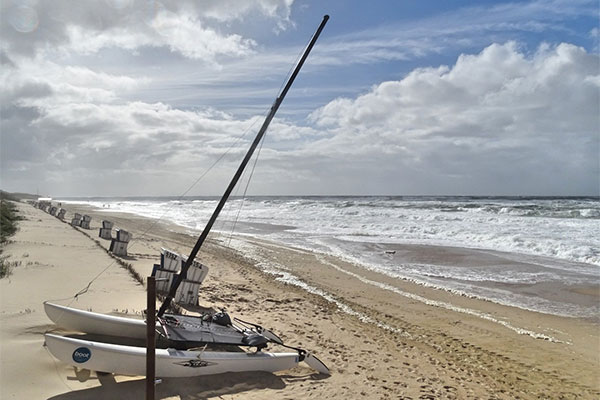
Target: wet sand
{"points": [[382, 337]]}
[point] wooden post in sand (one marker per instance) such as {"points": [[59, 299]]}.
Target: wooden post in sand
{"points": [[150, 338]]}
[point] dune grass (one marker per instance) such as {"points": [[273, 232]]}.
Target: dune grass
{"points": [[9, 218]]}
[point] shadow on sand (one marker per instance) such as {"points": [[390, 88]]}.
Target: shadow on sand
{"points": [[186, 388]]}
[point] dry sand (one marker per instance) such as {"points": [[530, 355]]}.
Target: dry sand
{"points": [[381, 337]]}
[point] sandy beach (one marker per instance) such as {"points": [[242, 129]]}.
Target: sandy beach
{"points": [[381, 337]]}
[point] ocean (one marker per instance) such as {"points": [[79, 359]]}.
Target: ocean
{"points": [[552, 244]]}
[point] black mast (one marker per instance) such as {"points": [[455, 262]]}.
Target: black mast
{"points": [[239, 172]]}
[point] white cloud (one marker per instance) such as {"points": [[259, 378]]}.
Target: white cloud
{"points": [[87, 27], [497, 122], [502, 121], [456, 30], [58, 84], [228, 10], [183, 34], [493, 115]]}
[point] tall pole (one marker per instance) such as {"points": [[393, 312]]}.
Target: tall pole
{"points": [[150, 338], [239, 172]]}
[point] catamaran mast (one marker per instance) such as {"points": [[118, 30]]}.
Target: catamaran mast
{"points": [[239, 172]]}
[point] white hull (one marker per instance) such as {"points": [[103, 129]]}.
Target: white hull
{"points": [[170, 363], [108, 325], [95, 323]]}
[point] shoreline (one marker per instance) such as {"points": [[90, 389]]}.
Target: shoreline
{"points": [[431, 350], [574, 300], [576, 295]]}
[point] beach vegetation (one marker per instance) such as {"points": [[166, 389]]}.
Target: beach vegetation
{"points": [[17, 196], [4, 268], [9, 218]]}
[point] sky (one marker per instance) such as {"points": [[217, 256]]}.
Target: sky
{"points": [[158, 98]]}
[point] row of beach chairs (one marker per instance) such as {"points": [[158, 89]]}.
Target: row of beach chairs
{"points": [[50, 209], [171, 263], [118, 244]]}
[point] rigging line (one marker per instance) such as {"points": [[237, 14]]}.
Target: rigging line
{"points": [[237, 190], [230, 205], [275, 104], [143, 235], [246, 189], [293, 65], [262, 142], [87, 287], [60, 378], [156, 221], [235, 179]]}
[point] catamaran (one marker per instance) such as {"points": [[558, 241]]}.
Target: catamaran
{"points": [[183, 334]]}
